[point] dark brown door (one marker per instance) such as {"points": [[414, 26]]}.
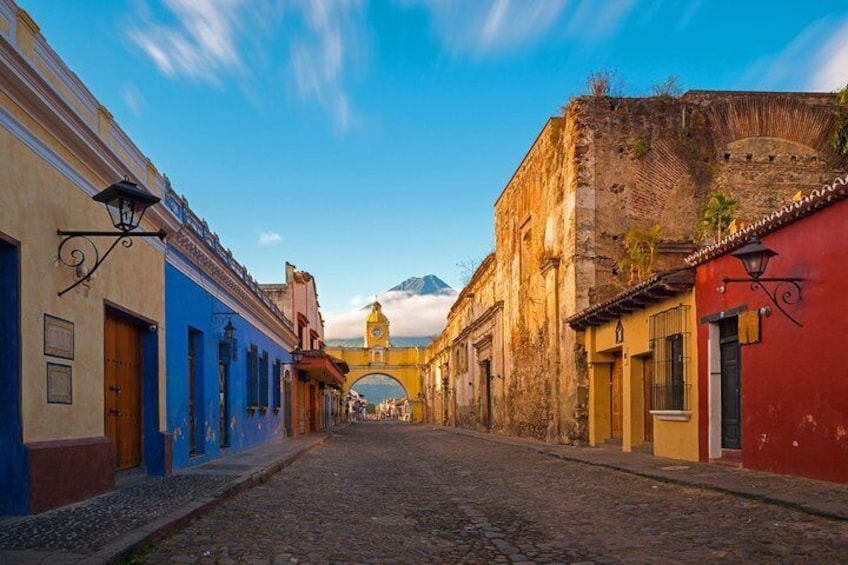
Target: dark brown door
{"points": [[122, 394], [731, 385], [617, 398], [486, 370], [648, 387], [287, 406]]}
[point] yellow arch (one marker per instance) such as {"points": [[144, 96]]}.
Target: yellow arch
{"points": [[400, 363]]}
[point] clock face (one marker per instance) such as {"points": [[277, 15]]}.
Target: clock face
{"points": [[376, 332]]}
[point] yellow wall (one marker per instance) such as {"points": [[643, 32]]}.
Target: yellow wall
{"points": [[673, 439], [36, 201], [400, 363]]}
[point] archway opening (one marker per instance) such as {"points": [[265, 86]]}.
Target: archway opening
{"points": [[385, 397]]}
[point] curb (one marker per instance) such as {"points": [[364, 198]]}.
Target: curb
{"points": [[144, 536]]}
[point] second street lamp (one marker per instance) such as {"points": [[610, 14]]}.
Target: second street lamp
{"points": [[755, 258]]}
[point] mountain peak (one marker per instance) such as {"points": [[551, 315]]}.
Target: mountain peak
{"points": [[428, 284]]}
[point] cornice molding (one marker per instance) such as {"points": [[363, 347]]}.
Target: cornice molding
{"points": [[208, 262]]}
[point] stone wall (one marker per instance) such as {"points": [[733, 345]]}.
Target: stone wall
{"points": [[608, 164]]}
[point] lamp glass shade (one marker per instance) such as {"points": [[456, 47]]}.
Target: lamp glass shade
{"points": [[755, 257], [126, 204], [229, 331]]}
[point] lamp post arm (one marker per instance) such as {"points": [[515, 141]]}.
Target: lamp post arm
{"points": [[76, 256], [791, 293]]}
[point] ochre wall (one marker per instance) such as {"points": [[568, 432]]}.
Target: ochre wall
{"points": [[561, 219], [38, 200], [673, 439]]}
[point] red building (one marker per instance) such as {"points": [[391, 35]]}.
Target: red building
{"points": [[773, 385]]}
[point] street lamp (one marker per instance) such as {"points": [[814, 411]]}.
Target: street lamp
{"points": [[126, 205], [230, 331], [755, 258]]}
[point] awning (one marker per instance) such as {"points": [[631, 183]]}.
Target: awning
{"points": [[316, 365]]}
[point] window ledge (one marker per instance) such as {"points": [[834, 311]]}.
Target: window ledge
{"points": [[672, 415]]}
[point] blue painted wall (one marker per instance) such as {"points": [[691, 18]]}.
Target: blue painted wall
{"points": [[14, 462], [188, 307]]}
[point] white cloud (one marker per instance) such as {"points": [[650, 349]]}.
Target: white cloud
{"points": [[816, 59], [133, 99], [201, 45], [410, 315], [319, 56], [208, 41], [593, 19], [832, 71], [269, 238], [480, 26]]}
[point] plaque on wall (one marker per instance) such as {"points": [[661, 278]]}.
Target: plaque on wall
{"points": [[59, 384], [58, 337], [749, 327]]}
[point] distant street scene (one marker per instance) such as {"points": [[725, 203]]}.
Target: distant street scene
{"points": [[382, 493]]}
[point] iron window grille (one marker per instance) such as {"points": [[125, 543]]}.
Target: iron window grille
{"points": [[669, 336]]}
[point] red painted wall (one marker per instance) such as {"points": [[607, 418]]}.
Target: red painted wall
{"points": [[795, 381]]}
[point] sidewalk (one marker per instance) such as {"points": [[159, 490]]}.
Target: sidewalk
{"points": [[107, 528], [821, 498]]}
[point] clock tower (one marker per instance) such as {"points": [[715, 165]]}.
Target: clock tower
{"points": [[376, 327]]}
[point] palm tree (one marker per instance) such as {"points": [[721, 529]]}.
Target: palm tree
{"points": [[717, 216], [641, 248]]}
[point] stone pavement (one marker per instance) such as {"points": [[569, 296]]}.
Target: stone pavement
{"points": [[456, 510], [813, 497], [108, 527], [382, 493]]}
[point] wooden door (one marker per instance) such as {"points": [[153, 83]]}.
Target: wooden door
{"points": [[617, 398], [486, 370], [731, 386], [287, 406], [122, 389], [647, 388]]}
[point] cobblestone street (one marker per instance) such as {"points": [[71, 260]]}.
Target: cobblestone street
{"points": [[382, 493]]}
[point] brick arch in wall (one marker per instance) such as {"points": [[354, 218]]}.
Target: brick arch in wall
{"points": [[743, 117]]}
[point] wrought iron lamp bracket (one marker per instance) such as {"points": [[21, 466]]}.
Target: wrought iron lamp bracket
{"points": [[782, 292], [72, 250], [220, 318]]}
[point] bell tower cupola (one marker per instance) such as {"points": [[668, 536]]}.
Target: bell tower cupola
{"points": [[376, 327]]}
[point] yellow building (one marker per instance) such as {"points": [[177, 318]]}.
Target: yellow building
{"points": [[73, 405], [641, 353], [378, 357]]}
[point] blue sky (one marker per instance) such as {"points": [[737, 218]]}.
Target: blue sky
{"points": [[366, 142]]}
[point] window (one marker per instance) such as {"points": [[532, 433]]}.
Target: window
{"points": [[263, 380], [669, 338], [275, 384], [252, 377], [195, 397]]}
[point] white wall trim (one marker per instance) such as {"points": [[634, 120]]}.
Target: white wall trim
{"points": [[714, 392]]}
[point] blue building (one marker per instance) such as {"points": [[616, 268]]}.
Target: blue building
{"points": [[227, 348]]}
